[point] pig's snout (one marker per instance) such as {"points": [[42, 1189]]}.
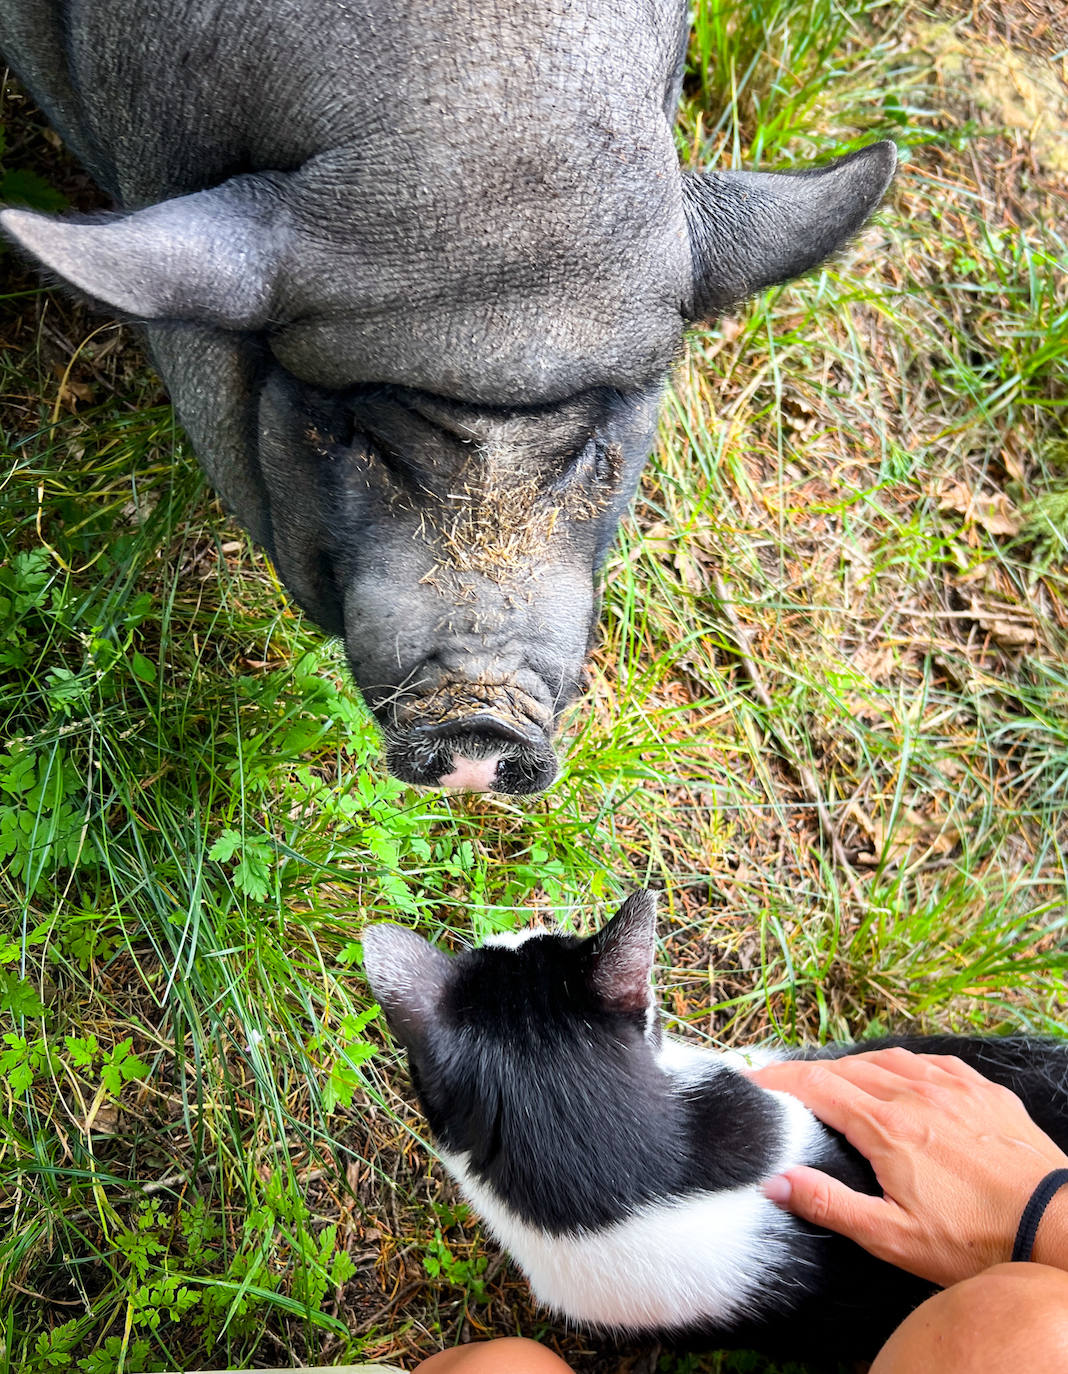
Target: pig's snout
{"points": [[476, 753]]}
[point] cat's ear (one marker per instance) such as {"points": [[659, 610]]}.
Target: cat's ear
{"points": [[621, 956], [407, 976]]}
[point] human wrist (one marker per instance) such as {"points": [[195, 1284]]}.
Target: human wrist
{"points": [[1051, 1242]]}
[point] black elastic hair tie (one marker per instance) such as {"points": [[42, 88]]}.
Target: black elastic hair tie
{"points": [[1032, 1213]]}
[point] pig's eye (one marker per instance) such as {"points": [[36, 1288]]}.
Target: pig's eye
{"points": [[596, 463], [607, 461], [584, 464], [359, 437], [599, 462], [392, 463], [346, 433]]}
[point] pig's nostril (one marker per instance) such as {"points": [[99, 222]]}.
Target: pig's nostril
{"points": [[522, 774]]}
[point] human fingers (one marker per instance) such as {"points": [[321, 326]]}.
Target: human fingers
{"points": [[902, 1062], [925, 1244], [922, 1084], [922, 1066], [818, 1083], [827, 1202], [886, 1074], [895, 1070], [852, 1078], [955, 1154]]}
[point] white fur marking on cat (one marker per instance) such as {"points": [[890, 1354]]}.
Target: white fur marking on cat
{"points": [[688, 1063], [512, 939], [691, 1063], [754, 1058], [702, 1258]]}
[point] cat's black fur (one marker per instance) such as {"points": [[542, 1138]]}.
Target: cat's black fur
{"points": [[538, 1064]]}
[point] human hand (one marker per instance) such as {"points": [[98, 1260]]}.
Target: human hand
{"points": [[957, 1158]]}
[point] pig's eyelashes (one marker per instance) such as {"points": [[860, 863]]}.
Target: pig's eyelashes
{"points": [[383, 457], [595, 462], [398, 470]]}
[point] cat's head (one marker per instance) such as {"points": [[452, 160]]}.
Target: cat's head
{"points": [[494, 1034]]}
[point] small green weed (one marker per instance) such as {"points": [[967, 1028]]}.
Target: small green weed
{"points": [[21, 186], [178, 1272], [467, 1273]]}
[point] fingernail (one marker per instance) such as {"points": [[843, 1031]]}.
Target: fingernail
{"points": [[777, 1189]]}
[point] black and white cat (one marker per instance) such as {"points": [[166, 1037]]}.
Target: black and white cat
{"points": [[621, 1167]]}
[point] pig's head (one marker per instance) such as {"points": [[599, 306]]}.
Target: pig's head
{"points": [[455, 546], [437, 457]]}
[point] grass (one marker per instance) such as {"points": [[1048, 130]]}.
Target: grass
{"points": [[843, 589]]}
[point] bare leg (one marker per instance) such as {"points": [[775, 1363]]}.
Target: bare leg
{"points": [[1010, 1319], [513, 1355]]}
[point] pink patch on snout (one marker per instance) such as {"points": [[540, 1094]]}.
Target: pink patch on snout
{"points": [[473, 775]]}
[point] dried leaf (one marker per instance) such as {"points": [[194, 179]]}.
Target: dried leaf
{"points": [[1012, 461], [875, 661], [1015, 633], [691, 568], [71, 391], [102, 1118], [994, 513], [914, 836]]}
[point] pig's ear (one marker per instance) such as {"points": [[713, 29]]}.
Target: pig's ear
{"points": [[749, 230], [621, 956], [213, 257], [407, 976]]}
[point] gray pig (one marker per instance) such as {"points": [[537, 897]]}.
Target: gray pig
{"points": [[414, 276]]}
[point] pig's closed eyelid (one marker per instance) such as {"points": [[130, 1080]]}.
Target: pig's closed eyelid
{"points": [[592, 463], [604, 458], [400, 470], [355, 435], [586, 453]]}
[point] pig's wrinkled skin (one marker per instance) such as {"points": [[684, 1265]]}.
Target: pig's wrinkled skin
{"points": [[414, 276]]}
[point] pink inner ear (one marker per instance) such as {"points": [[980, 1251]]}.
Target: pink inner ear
{"points": [[621, 976], [622, 967]]}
